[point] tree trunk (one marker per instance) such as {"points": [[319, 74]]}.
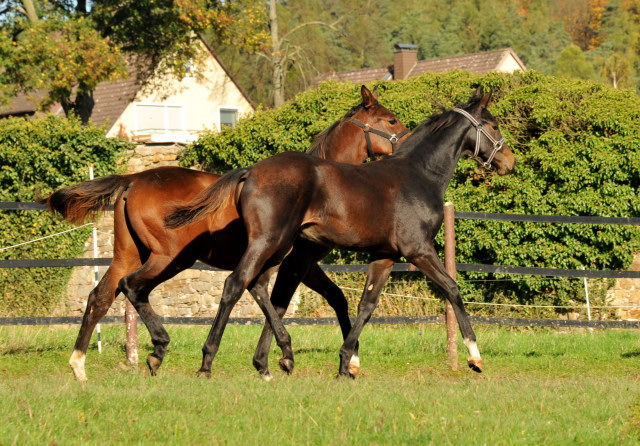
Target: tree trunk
{"points": [[276, 57], [82, 107], [30, 10]]}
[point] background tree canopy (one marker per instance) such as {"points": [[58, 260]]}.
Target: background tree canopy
{"points": [[577, 154]]}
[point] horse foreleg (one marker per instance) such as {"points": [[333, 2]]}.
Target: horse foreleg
{"points": [[377, 275], [429, 263], [99, 302], [319, 282]]}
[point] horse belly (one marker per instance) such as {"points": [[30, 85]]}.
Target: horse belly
{"points": [[346, 237]]}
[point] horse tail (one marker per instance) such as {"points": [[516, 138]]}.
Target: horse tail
{"points": [[208, 201], [75, 203]]}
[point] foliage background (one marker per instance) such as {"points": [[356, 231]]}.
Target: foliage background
{"points": [[37, 157], [577, 154]]}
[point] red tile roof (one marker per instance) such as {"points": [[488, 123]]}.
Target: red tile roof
{"points": [[481, 63]]}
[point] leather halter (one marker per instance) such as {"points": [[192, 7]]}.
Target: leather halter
{"points": [[497, 145], [393, 138]]}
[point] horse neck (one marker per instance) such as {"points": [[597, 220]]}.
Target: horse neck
{"points": [[438, 153], [344, 144]]}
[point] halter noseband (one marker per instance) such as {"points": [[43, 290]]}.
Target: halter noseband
{"points": [[497, 145], [367, 129]]}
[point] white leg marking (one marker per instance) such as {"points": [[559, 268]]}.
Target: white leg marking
{"points": [[474, 353], [77, 365], [354, 365]]}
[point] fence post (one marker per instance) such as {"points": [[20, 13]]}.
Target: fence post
{"points": [[131, 320], [450, 265], [95, 268]]}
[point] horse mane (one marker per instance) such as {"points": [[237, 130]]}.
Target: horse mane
{"points": [[436, 122], [318, 147]]}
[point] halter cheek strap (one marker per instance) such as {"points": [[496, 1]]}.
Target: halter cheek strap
{"points": [[393, 138], [497, 144]]}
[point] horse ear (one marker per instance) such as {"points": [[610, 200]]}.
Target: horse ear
{"points": [[485, 99], [479, 92], [374, 93], [367, 97]]}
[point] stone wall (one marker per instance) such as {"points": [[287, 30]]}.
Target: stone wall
{"points": [[190, 293], [626, 293]]}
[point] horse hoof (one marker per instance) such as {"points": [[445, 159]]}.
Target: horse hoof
{"points": [[266, 376], [475, 365], [154, 364], [203, 374], [80, 375], [342, 375], [286, 365], [354, 366]]}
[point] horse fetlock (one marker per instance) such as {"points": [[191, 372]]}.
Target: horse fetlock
{"points": [[77, 365]]}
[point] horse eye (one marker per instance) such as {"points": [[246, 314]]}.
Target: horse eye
{"points": [[393, 122]]}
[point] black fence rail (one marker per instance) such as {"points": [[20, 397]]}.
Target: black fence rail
{"points": [[294, 321], [399, 267]]}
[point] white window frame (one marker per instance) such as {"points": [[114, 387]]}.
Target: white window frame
{"points": [[230, 108], [166, 107]]}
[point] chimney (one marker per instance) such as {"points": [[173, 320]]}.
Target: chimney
{"points": [[405, 56]]}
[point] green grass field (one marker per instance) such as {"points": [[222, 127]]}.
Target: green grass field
{"points": [[539, 387]]}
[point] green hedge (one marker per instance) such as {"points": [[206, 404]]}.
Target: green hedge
{"points": [[578, 153], [37, 157]]}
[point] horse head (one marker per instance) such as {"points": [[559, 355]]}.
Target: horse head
{"points": [[490, 148], [383, 130]]}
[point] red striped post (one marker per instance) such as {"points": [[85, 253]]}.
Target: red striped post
{"points": [[131, 321], [450, 265]]}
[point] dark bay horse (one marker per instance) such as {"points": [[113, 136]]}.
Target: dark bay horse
{"points": [[389, 208], [147, 254]]}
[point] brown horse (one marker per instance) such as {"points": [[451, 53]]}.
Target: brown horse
{"points": [[390, 208], [147, 254]]}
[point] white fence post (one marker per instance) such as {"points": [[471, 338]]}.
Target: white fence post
{"points": [[95, 268]]}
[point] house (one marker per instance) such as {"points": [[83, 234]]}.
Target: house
{"points": [[166, 109], [406, 64]]}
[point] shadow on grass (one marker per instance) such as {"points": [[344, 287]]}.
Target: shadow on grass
{"points": [[631, 354]]}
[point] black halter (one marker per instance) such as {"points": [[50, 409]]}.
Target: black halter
{"points": [[367, 129]]}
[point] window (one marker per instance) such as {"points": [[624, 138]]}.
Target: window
{"points": [[160, 119], [228, 117]]}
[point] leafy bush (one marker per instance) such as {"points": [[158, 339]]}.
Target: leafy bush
{"points": [[578, 153], [37, 157]]}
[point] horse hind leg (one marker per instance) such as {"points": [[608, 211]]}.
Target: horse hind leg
{"points": [[100, 300], [246, 273], [137, 286], [259, 291]]}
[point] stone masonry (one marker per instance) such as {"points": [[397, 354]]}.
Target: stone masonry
{"points": [[192, 293], [626, 293]]}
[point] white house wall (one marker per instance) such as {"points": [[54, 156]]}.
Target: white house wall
{"points": [[202, 99]]}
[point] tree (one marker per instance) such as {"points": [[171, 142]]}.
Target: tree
{"points": [[283, 52], [573, 63]]}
